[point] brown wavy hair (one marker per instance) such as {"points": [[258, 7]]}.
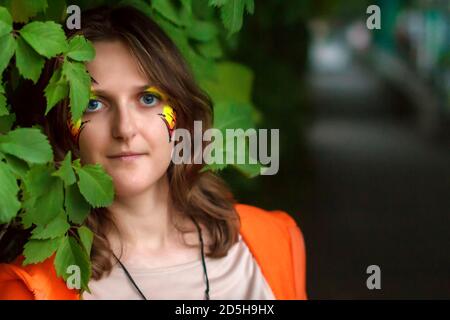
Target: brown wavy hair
{"points": [[201, 195]]}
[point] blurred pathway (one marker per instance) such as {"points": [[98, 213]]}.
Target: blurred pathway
{"points": [[381, 195]]}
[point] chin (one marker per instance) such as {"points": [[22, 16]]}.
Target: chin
{"points": [[127, 186]]}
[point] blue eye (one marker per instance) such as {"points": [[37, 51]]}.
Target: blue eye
{"points": [[94, 105], [149, 100]]}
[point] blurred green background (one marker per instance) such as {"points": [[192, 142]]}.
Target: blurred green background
{"points": [[364, 139]]}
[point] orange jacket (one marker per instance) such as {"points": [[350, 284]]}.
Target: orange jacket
{"points": [[273, 238]]}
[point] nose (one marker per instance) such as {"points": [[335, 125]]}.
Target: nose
{"points": [[124, 125]]}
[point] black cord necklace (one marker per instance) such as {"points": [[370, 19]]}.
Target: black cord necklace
{"points": [[203, 264]]}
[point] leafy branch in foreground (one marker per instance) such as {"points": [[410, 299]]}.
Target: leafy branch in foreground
{"points": [[53, 200]]}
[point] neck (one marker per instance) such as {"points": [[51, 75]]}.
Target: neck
{"points": [[144, 221]]}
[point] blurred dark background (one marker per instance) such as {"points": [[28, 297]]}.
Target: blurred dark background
{"points": [[364, 139]]}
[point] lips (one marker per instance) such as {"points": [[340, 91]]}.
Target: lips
{"points": [[127, 155]]}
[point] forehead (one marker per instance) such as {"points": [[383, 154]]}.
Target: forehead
{"points": [[115, 66]]}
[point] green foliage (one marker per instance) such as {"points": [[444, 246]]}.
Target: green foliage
{"points": [[53, 200], [95, 186], [47, 38], [71, 253], [8, 194], [28, 61], [79, 84], [27, 144]]}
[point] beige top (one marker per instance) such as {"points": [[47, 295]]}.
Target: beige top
{"points": [[236, 276]]}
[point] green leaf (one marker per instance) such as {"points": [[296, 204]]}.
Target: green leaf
{"points": [[23, 10], [7, 48], [56, 11], [18, 167], [3, 110], [202, 31], [47, 38], [9, 205], [86, 238], [233, 83], [80, 83], [56, 90], [54, 229], [48, 205], [36, 251], [28, 61], [81, 49], [37, 179], [65, 172], [27, 144], [6, 122], [70, 253], [250, 6], [211, 49], [6, 21], [232, 116], [76, 206], [167, 10], [217, 3], [232, 13], [96, 185]]}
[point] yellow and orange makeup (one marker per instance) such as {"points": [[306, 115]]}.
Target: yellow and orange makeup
{"points": [[76, 127], [167, 115]]}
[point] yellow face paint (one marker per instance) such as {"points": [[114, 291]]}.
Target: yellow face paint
{"points": [[76, 127], [168, 114], [154, 90]]}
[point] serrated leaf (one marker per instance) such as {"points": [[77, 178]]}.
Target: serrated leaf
{"points": [[7, 48], [27, 144], [36, 251], [18, 167], [47, 38], [65, 172], [86, 238], [48, 205], [23, 10], [37, 179], [80, 49], [79, 83], [56, 90], [70, 253], [9, 205], [28, 61], [54, 229], [95, 185], [76, 206], [5, 21]]}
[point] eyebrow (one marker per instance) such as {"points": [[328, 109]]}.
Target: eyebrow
{"points": [[137, 88]]}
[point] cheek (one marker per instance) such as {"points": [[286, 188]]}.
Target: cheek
{"points": [[156, 134], [92, 141]]}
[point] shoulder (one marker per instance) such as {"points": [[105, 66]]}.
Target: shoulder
{"points": [[32, 282], [254, 219], [277, 244]]}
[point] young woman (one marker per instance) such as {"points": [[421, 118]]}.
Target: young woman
{"points": [[172, 232]]}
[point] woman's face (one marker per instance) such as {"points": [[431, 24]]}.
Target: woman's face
{"points": [[124, 117]]}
